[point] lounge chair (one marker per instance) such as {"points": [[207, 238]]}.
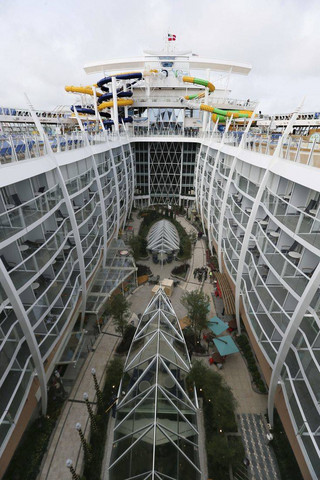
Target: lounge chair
{"points": [[7, 264]]}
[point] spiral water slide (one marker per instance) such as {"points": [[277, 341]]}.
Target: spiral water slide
{"points": [[198, 81], [217, 113], [104, 99]]}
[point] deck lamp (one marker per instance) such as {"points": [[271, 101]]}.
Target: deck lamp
{"points": [[75, 476], [94, 425], [84, 443]]}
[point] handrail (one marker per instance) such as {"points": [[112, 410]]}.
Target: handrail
{"points": [[14, 148]]}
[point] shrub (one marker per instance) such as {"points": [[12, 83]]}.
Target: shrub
{"points": [[180, 269], [221, 452], [218, 408], [219, 401], [124, 346], [114, 372], [138, 246], [143, 270], [288, 465], [26, 461]]}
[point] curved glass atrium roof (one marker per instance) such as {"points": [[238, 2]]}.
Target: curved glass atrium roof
{"points": [[163, 237], [155, 433]]}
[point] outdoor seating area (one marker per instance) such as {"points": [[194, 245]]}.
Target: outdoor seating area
{"points": [[222, 344]]}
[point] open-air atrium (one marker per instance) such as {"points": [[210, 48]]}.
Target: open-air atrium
{"points": [[153, 172]]}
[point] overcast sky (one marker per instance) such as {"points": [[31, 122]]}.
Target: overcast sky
{"points": [[45, 44]]}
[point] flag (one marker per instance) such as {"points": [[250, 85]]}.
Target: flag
{"points": [[171, 37]]}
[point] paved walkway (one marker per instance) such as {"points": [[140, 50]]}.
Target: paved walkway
{"points": [[65, 442], [263, 463]]}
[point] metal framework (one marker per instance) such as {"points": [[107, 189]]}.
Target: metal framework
{"points": [[120, 267], [155, 433], [163, 238], [164, 172]]}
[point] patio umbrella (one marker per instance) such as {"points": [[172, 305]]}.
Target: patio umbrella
{"points": [[217, 326], [225, 345]]}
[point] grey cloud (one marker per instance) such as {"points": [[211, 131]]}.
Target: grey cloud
{"points": [[44, 45]]}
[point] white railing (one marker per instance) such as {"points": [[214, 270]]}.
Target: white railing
{"points": [[250, 104], [62, 112], [14, 148]]}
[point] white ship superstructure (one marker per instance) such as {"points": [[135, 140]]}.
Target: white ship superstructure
{"points": [[66, 194]]}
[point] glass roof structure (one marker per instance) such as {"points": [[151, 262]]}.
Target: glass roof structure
{"points": [[119, 267], [155, 433], [163, 237]]}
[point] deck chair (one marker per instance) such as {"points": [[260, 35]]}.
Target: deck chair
{"points": [[312, 205], [41, 190], [295, 247], [16, 200], [60, 214], [308, 271], [6, 264], [31, 244]]}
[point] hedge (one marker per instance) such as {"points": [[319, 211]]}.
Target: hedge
{"points": [[245, 347], [97, 441], [26, 461], [219, 418]]}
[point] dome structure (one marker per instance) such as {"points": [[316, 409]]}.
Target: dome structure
{"points": [[163, 238]]}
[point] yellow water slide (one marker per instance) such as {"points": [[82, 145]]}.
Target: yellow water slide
{"points": [[121, 103], [87, 90]]}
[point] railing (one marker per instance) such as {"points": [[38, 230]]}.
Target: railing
{"points": [[14, 148], [20, 217], [174, 99], [63, 112], [292, 148]]}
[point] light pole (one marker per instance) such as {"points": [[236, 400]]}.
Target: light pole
{"points": [[75, 476], [90, 411], [97, 389], [84, 443]]}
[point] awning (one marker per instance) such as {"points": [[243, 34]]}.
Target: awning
{"points": [[217, 326], [225, 345]]}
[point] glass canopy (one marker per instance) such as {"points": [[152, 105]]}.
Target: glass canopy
{"points": [[155, 433], [120, 269], [163, 237]]}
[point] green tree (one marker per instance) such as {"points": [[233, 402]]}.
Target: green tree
{"points": [[219, 402], [197, 305], [221, 454], [118, 307], [193, 237]]}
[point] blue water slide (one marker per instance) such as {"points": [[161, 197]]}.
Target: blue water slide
{"points": [[89, 111], [108, 96], [122, 76], [109, 123]]}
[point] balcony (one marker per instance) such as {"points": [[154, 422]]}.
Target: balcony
{"points": [[25, 214]]}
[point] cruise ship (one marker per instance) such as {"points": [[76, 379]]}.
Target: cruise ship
{"points": [[148, 131]]}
